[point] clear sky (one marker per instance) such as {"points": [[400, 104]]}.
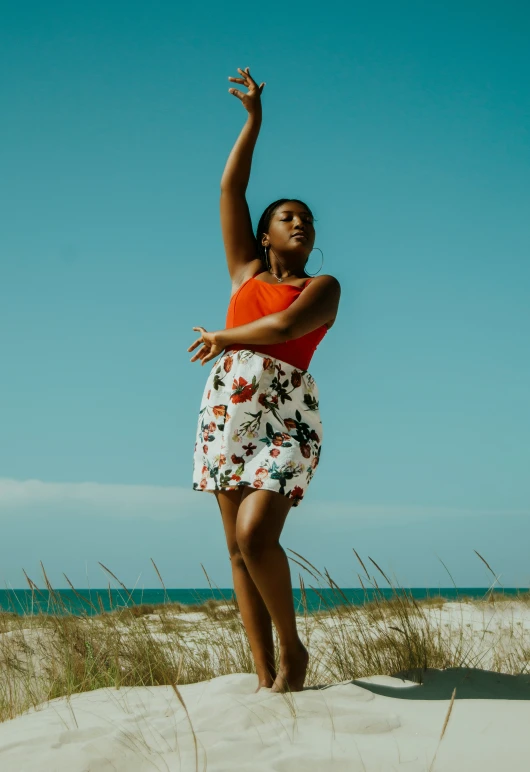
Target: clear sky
{"points": [[405, 126]]}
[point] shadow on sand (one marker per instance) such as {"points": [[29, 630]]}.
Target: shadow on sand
{"points": [[470, 684]]}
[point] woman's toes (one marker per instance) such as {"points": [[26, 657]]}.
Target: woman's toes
{"points": [[265, 682], [293, 669]]}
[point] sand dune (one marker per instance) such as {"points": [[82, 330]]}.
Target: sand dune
{"points": [[374, 724], [342, 727]]}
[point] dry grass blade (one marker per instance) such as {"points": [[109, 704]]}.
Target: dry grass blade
{"points": [[303, 594], [129, 596], [224, 599], [362, 583], [332, 583], [175, 689], [32, 584], [166, 596], [55, 596], [485, 563], [450, 575], [448, 713], [490, 589], [361, 562], [324, 601], [306, 561], [415, 604], [78, 595], [207, 577], [380, 570], [305, 569], [48, 584], [443, 729]]}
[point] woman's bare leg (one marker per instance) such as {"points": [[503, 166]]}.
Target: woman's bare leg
{"points": [[255, 617], [260, 520]]}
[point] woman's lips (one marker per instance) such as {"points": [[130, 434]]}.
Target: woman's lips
{"points": [[299, 236]]}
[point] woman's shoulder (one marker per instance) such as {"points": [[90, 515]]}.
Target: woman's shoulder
{"points": [[330, 286], [325, 278]]}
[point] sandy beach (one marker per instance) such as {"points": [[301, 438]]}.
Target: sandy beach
{"points": [[378, 722], [340, 727]]}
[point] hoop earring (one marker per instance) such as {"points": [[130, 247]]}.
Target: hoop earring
{"points": [[267, 261], [314, 274]]}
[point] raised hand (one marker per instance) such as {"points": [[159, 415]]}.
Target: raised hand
{"points": [[252, 98], [210, 347]]}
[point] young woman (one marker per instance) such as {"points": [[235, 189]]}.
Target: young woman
{"points": [[259, 433]]}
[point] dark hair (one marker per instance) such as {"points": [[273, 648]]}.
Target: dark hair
{"points": [[264, 221]]}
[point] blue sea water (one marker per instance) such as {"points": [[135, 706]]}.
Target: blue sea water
{"points": [[97, 601]]}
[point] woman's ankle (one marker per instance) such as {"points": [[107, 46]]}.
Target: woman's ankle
{"points": [[266, 676], [291, 644]]}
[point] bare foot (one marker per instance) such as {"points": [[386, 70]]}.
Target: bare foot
{"points": [[264, 684], [293, 669], [266, 681]]}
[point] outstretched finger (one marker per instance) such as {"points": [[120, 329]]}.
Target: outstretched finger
{"points": [[236, 92], [194, 344], [246, 74], [236, 80], [262, 87], [198, 355]]}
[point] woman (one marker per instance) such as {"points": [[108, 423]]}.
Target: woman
{"points": [[259, 431]]}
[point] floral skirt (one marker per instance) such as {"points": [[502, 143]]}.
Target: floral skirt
{"points": [[259, 426]]}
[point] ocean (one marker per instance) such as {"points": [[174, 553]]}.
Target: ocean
{"points": [[96, 601]]}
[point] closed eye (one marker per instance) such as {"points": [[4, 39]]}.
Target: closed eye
{"points": [[308, 220]]}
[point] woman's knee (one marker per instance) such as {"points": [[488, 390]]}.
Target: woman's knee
{"points": [[260, 520], [253, 542], [236, 558]]}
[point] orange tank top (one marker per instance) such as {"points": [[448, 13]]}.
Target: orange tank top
{"points": [[255, 299]]}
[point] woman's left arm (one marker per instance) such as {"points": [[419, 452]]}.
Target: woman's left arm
{"points": [[315, 306]]}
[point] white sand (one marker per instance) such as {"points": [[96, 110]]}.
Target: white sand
{"points": [[342, 727]]}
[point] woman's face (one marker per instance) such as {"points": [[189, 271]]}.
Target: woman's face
{"points": [[291, 228]]}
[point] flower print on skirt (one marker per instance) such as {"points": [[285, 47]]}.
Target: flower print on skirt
{"points": [[259, 425]]}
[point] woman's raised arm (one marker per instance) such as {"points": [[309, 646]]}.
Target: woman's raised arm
{"points": [[236, 225]]}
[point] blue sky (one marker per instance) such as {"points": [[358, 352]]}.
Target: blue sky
{"points": [[406, 128]]}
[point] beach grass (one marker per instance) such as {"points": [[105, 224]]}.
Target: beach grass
{"points": [[59, 653]]}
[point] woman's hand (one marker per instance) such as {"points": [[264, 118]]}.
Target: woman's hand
{"points": [[252, 99], [210, 348]]}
